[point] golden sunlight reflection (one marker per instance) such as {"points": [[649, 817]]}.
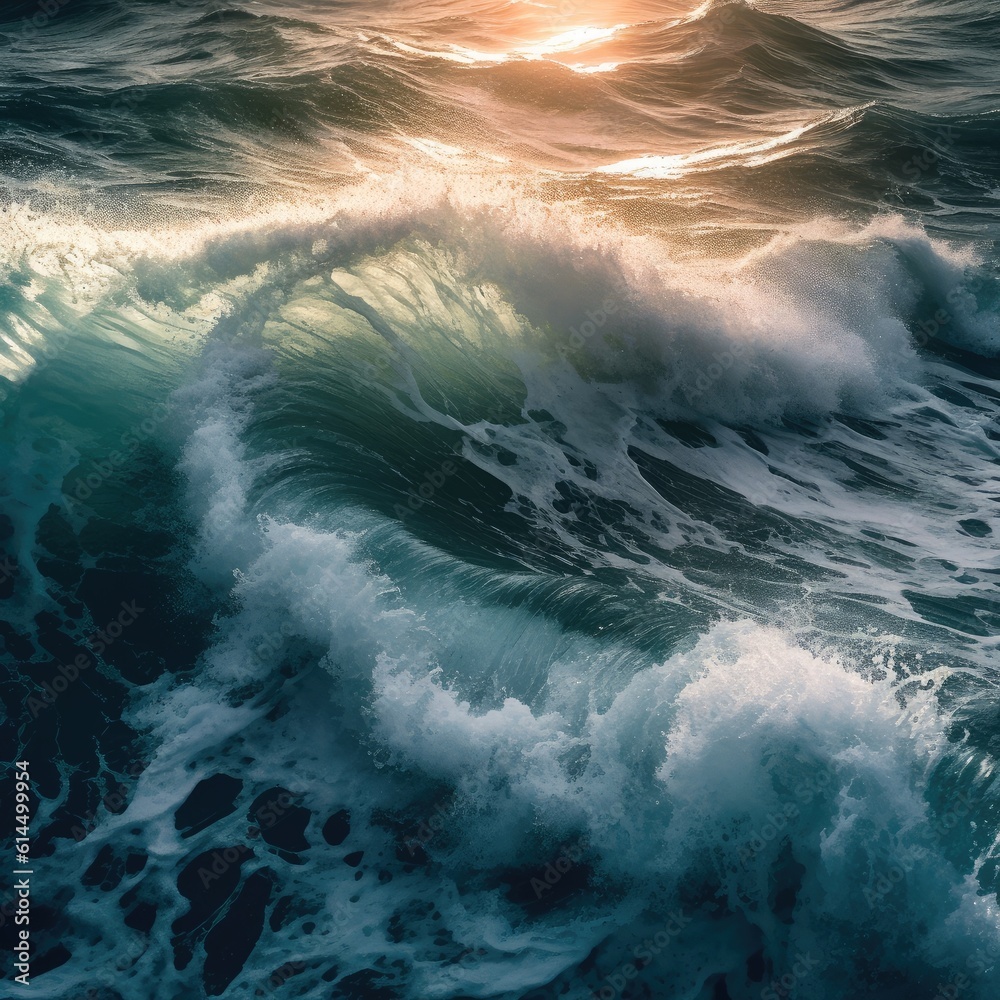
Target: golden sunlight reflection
{"points": [[752, 152], [570, 41], [565, 43]]}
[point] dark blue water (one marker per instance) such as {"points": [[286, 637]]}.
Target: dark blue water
{"points": [[499, 499]]}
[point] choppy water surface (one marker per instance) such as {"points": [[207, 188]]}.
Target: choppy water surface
{"points": [[523, 479]]}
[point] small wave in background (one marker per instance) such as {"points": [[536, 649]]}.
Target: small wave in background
{"points": [[499, 499]]}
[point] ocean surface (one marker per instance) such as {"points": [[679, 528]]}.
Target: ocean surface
{"points": [[499, 498]]}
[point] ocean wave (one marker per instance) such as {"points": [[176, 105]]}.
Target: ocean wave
{"points": [[523, 483]]}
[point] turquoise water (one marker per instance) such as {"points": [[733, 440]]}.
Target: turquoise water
{"points": [[522, 482]]}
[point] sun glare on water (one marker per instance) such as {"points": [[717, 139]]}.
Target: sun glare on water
{"points": [[569, 41], [563, 44]]}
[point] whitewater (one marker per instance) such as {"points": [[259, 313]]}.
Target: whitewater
{"points": [[498, 499]]}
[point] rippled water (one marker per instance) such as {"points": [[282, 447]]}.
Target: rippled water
{"points": [[523, 480]]}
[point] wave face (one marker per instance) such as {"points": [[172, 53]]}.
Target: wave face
{"points": [[499, 498]]}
